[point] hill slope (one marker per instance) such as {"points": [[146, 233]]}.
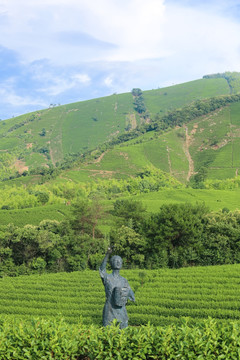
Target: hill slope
{"points": [[47, 137]]}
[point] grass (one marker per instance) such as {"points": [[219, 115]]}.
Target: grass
{"points": [[235, 111], [92, 122], [34, 216], [35, 159], [9, 143], [24, 180], [84, 125], [165, 152], [215, 199], [221, 174], [176, 96]]}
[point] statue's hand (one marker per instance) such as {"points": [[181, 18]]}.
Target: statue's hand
{"points": [[109, 250]]}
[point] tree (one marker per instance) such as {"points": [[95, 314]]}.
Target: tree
{"points": [[129, 245], [139, 105], [198, 179], [127, 210], [176, 231], [136, 92], [86, 216], [221, 243], [43, 132], [42, 197]]}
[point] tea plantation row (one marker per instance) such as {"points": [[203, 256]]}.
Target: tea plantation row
{"points": [[162, 296]]}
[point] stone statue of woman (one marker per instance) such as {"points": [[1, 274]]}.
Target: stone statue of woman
{"points": [[117, 292]]}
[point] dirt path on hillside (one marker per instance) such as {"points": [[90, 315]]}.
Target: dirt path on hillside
{"points": [[56, 139], [100, 158], [169, 161], [186, 146], [131, 120]]}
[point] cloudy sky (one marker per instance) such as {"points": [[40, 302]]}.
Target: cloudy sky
{"points": [[62, 51]]}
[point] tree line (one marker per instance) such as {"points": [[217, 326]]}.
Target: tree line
{"points": [[148, 180], [177, 235]]}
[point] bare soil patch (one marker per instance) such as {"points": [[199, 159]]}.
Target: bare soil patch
{"points": [[99, 158], [20, 166], [131, 119], [125, 155]]}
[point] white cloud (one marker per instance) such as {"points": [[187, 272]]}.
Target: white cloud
{"points": [[72, 49], [139, 29], [11, 98], [202, 40], [108, 81], [134, 26], [58, 85], [82, 78]]}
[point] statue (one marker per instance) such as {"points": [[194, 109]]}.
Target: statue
{"points": [[117, 292]]}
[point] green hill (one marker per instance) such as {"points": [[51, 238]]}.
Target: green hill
{"points": [[211, 141], [47, 137], [97, 147]]}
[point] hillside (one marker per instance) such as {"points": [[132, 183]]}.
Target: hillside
{"points": [[47, 137], [211, 141], [164, 165]]}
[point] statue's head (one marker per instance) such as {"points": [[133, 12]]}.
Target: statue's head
{"points": [[116, 262]]}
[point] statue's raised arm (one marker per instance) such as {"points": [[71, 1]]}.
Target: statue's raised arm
{"points": [[102, 268]]}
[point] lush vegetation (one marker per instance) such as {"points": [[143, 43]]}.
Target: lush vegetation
{"points": [[154, 174], [233, 79], [42, 339], [163, 296], [48, 137], [177, 235]]}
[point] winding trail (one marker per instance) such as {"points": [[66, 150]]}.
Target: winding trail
{"points": [[98, 160], [186, 146], [169, 161]]}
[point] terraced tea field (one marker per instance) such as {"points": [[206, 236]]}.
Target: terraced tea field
{"points": [[162, 296]]}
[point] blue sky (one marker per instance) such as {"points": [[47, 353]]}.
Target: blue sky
{"points": [[62, 51]]}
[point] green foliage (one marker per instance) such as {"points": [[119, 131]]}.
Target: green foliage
{"points": [[43, 132], [221, 238], [139, 105], [43, 197], [226, 184], [233, 79], [42, 339], [163, 297], [197, 182], [129, 244], [174, 235], [129, 211], [52, 246], [86, 216], [6, 165], [136, 92]]}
